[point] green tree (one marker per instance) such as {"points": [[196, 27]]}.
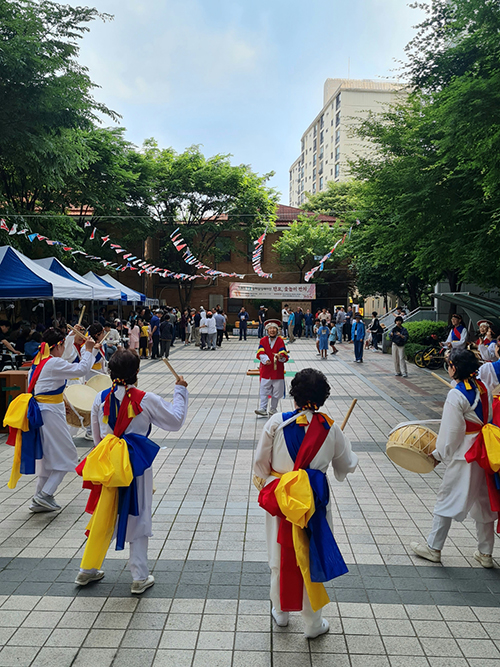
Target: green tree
{"points": [[304, 240], [206, 197], [345, 201]]}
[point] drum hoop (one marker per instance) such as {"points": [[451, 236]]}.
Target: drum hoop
{"points": [[420, 422]]}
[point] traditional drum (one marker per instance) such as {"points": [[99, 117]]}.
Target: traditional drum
{"points": [[409, 446], [78, 400], [99, 382]]}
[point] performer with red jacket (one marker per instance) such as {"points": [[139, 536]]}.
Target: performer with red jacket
{"points": [[272, 354]]}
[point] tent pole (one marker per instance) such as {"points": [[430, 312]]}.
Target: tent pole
{"points": [[53, 311]]}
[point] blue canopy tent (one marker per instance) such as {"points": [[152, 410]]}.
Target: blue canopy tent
{"points": [[100, 292], [22, 278]]}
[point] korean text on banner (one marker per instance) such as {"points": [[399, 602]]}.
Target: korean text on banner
{"points": [[299, 292]]}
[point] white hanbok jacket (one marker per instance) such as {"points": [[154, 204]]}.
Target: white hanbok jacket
{"points": [[272, 454], [463, 488], [72, 354], [59, 451], [161, 413]]}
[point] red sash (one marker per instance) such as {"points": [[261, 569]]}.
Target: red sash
{"points": [[291, 581]]}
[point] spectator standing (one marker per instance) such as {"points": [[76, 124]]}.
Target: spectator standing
{"points": [[220, 323], [196, 328], [134, 336], [358, 336], [211, 331], [166, 335], [284, 320], [226, 333], [155, 335], [339, 323], [262, 318], [376, 330], [309, 323], [348, 323], [399, 337], [291, 326], [243, 319], [323, 336], [333, 339], [297, 327], [143, 339]]}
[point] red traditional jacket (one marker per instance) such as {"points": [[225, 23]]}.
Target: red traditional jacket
{"points": [[276, 369]]}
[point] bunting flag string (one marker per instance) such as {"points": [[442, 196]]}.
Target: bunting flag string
{"points": [[320, 266], [180, 244], [257, 255]]}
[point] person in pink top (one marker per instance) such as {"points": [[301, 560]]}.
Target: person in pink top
{"points": [[134, 336]]}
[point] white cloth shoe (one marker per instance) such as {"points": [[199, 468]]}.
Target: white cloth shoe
{"points": [[312, 634], [36, 508], [272, 411], [484, 559], [261, 413], [88, 436], [424, 551], [281, 617], [84, 578], [141, 585], [46, 501]]}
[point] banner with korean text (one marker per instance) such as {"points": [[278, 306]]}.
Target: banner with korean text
{"points": [[299, 292]]}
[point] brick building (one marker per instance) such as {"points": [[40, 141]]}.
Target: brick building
{"points": [[213, 292]]}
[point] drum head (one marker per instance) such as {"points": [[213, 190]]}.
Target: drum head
{"points": [[99, 382], [80, 396], [410, 459]]}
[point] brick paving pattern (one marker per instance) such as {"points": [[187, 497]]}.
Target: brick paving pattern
{"points": [[210, 604]]}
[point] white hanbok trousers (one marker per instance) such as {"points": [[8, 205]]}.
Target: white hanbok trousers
{"points": [[441, 526], [138, 559], [273, 388]]}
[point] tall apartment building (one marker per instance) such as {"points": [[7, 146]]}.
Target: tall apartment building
{"points": [[329, 142]]}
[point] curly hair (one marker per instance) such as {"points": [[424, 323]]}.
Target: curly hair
{"points": [[465, 362], [124, 366], [309, 386], [52, 337]]}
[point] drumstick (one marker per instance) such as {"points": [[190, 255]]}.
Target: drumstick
{"points": [[81, 315], [346, 418], [438, 377], [82, 334], [171, 369]]}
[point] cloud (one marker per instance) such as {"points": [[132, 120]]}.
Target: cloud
{"points": [[160, 52]]}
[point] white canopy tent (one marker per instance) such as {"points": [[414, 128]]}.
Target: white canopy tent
{"points": [[22, 278], [100, 292], [132, 294]]}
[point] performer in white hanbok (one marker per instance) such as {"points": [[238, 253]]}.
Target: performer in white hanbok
{"points": [[291, 443], [121, 503], [48, 441], [457, 338], [464, 488]]}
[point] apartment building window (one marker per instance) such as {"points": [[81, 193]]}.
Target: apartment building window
{"points": [[290, 175], [322, 121], [337, 153], [315, 145], [314, 159], [321, 183], [321, 153], [337, 101], [337, 170], [302, 142], [331, 122], [314, 186], [331, 156], [320, 169], [315, 130], [314, 174], [337, 119], [337, 136], [321, 137], [331, 172]]}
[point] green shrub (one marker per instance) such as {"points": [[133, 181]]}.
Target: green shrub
{"points": [[411, 350], [421, 331]]}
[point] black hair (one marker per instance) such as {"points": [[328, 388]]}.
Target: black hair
{"points": [[4, 323], [124, 366], [374, 313], [95, 329], [36, 336], [398, 319], [459, 317], [323, 323], [465, 362], [309, 386], [52, 337]]}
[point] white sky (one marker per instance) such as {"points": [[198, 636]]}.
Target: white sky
{"points": [[237, 76]]}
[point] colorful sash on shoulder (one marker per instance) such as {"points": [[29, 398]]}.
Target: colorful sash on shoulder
{"points": [[486, 447], [24, 419], [456, 332], [110, 471], [309, 553]]}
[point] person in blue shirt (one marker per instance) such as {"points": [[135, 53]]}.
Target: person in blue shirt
{"points": [[323, 336], [291, 325], [309, 322], [358, 337], [155, 335], [243, 318]]}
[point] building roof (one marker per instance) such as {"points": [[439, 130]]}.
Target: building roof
{"points": [[288, 214]]}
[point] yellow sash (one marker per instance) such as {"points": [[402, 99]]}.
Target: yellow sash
{"points": [[295, 498], [491, 435], [109, 465], [17, 417]]}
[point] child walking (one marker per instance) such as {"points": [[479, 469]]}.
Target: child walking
{"points": [[323, 336]]}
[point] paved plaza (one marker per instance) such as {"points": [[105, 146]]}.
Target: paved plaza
{"points": [[210, 604]]}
